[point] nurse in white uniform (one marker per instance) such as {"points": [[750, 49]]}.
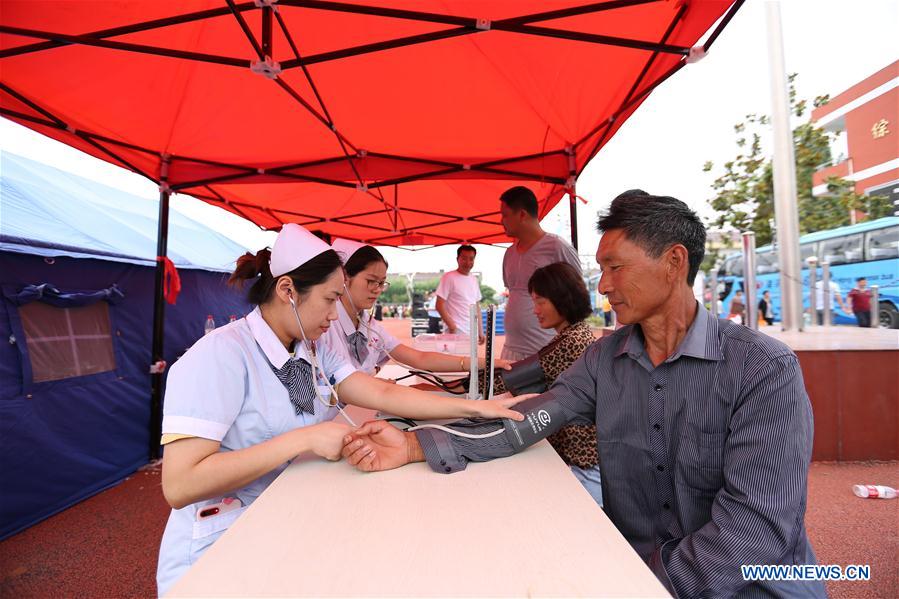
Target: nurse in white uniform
{"points": [[366, 341], [250, 396]]}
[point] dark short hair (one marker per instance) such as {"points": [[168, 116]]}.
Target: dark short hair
{"points": [[361, 258], [326, 237], [256, 268], [861, 279], [655, 223], [520, 198], [465, 248], [562, 285]]}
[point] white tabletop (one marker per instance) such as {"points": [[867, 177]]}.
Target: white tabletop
{"points": [[521, 526]]}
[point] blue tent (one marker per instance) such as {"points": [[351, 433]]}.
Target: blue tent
{"points": [[77, 263]]}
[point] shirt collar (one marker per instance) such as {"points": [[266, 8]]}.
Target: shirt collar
{"points": [[346, 321], [269, 343], [701, 340], [632, 343]]}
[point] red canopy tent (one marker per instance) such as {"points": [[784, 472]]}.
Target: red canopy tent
{"points": [[395, 122]]}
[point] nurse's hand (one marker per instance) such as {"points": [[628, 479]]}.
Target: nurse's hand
{"points": [[498, 407], [378, 445], [327, 439], [498, 363]]}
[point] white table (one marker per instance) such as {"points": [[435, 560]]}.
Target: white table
{"points": [[517, 527]]}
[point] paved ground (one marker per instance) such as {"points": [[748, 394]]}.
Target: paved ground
{"points": [[107, 546]]}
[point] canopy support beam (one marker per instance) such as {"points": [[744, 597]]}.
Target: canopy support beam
{"points": [[637, 82], [125, 30]]}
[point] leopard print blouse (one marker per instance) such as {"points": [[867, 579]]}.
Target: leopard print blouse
{"points": [[576, 443]]}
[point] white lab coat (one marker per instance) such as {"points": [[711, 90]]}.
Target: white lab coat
{"points": [[224, 389]]}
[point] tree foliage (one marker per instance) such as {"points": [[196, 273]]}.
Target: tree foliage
{"points": [[744, 192]]}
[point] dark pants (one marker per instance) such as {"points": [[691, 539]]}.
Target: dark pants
{"points": [[864, 319], [433, 324]]}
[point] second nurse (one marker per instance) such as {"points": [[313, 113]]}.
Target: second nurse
{"points": [[366, 341]]}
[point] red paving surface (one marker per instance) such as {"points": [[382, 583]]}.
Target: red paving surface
{"points": [[107, 546]]}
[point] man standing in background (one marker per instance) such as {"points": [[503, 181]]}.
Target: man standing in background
{"points": [[533, 248], [459, 289], [836, 299], [766, 310], [860, 302]]}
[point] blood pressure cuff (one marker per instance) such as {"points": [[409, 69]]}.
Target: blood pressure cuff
{"points": [[526, 376], [543, 416]]}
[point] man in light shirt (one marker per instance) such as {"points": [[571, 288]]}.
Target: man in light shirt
{"points": [[836, 300], [533, 248], [457, 291]]}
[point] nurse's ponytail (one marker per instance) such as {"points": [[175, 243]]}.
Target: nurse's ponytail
{"points": [[256, 268]]}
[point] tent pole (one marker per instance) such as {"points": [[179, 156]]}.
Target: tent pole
{"points": [[572, 206], [157, 376], [572, 193]]}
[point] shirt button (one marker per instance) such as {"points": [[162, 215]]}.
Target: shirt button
{"points": [[658, 387], [666, 506], [660, 468], [447, 469], [443, 462], [656, 426]]}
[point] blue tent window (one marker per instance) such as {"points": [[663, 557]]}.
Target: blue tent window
{"points": [[67, 342]]}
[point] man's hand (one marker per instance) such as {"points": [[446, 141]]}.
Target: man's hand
{"points": [[481, 339], [378, 445]]}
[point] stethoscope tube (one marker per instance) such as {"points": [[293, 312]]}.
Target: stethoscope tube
{"points": [[310, 349]]}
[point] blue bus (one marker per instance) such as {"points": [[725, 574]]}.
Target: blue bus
{"points": [[869, 249]]}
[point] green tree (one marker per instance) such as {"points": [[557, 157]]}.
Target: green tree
{"points": [[488, 294], [744, 192]]}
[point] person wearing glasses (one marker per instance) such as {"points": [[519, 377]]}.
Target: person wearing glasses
{"points": [[251, 396], [366, 341]]}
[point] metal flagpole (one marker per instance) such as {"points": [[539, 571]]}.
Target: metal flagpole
{"points": [[785, 210]]}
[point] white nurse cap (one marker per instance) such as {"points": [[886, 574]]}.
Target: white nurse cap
{"points": [[345, 248], [294, 247]]}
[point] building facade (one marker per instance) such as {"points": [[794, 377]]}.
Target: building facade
{"points": [[865, 119]]}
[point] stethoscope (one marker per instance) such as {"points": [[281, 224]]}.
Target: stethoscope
{"points": [[316, 369]]}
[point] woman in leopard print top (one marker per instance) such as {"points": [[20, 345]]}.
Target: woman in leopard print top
{"points": [[561, 301]]}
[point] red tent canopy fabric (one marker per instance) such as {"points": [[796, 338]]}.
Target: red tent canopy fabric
{"points": [[392, 122]]}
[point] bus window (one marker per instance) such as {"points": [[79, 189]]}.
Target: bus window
{"points": [[806, 251], [883, 243], [733, 266], [842, 250], [766, 263]]}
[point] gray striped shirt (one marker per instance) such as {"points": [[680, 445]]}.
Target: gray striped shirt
{"points": [[704, 458]]}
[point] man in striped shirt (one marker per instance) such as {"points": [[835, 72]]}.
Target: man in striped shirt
{"points": [[704, 427]]}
